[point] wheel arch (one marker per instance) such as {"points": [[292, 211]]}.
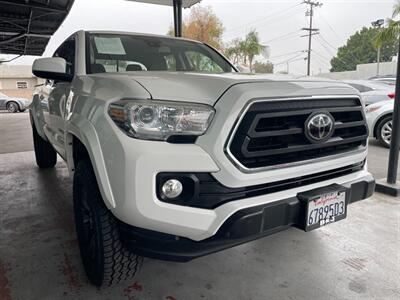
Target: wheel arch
{"points": [[378, 121], [82, 143], [36, 116], [13, 101]]}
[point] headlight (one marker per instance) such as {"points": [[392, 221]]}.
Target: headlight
{"points": [[158, 120]]}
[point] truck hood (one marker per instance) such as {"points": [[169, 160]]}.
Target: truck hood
{"points": [[208, 88]]}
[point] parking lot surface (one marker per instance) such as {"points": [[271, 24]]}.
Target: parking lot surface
{"points": [[357, 258]]}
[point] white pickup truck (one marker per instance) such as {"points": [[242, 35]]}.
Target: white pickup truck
{"points": [[174, 155]]}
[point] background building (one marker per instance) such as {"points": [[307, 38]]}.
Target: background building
{"points": [[17, 80]]}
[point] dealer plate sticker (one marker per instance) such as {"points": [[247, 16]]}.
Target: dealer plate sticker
{"points": [[326, 209]]}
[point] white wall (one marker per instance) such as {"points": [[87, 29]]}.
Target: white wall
{"points": [[363, 71]]}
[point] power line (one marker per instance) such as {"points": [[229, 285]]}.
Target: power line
{"points": [[333, 47], [311, 30], [322, 56], [331, 27], [286, 54], [283, 36], [270, 17], [333, 55], [340, 38], [288, 60]]}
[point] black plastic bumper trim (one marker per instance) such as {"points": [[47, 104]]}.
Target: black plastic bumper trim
{"points": [[243, 226], [202, 190]]}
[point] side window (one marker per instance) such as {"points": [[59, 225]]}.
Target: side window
{"points": [[171, 62], [67, 51], [202, 63]]}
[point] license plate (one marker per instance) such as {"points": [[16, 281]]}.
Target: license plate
{"points": [[324, 208]]}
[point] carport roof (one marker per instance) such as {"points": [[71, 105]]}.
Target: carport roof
{"points": [[185, 3], [27, 25]]}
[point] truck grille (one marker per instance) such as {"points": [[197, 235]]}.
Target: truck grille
{"points": [[273, 133]]}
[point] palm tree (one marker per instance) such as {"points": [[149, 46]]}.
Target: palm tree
{"points": [[392, 30], [251, 47]]}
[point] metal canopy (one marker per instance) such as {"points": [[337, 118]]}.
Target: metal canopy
{"points": [[27, 25], [185, 3], [178, 5]]}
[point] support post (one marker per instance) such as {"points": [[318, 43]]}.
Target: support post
{"points": [[390, 185], [178, 17]]}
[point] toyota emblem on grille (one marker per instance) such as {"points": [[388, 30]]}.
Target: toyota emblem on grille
{"points": [[319, 127]]}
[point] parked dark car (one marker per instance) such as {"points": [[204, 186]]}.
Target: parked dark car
{"points": [[13, 105]]}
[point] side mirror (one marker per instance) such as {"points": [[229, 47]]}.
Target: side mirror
{"points": [[53, 68]]}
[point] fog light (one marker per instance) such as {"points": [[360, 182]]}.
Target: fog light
{"points": [[172, 188]]}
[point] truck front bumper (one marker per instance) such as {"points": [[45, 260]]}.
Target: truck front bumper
{"points": [[243, 226]]}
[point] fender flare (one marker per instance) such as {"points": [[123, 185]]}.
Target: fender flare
{"points": [[37, 117], [84, 131]]}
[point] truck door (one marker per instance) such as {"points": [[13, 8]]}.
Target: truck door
{"points": [[57, 93]]}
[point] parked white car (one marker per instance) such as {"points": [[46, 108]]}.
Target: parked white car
{"points": [[390, 79], [379, 118], [372, 91], [190, 157]]}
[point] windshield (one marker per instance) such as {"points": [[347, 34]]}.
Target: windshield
{"points": [[124, 53]]}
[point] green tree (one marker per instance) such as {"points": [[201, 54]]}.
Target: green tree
{"points": [[245, 50], [392, 31], [252, 47], [234, 51], [202, 25], [260, 67], [360, 49]]}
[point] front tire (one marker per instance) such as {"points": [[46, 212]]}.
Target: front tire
{"points": [[106, 261], [46, 156], [12, 107], [384, 131]]}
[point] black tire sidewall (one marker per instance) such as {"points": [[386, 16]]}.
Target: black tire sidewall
{"points": [[46, 156], [12, 104], [85, 190]]}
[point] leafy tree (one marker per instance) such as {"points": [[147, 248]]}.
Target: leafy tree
{"points": [[202, 25], [252, 47], [360, 49], [392, 31], [235, 52], [244, 51], [260, 67]]}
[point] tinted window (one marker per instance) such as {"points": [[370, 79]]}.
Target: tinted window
{"points": [[67, 51], [122, 53]]}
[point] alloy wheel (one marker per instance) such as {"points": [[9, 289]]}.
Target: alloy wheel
{"points": [[386, 132], [12, 107]]}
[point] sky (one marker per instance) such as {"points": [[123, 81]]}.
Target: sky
{"points": [[278, 23]]}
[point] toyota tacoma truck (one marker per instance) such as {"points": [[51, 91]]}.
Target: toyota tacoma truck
{"points": [[175, 155]]}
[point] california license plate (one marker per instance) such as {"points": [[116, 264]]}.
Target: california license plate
{"points": [[324, 206]]}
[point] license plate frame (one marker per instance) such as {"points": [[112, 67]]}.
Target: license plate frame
{"points": [[328, 195]]}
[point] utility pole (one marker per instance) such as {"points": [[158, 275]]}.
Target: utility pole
{"points": [[378, 24], [311, 31]]}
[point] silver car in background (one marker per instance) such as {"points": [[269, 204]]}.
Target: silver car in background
{"points": [[13, 105], [380, 121], [388, 79], [372, 91]]}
